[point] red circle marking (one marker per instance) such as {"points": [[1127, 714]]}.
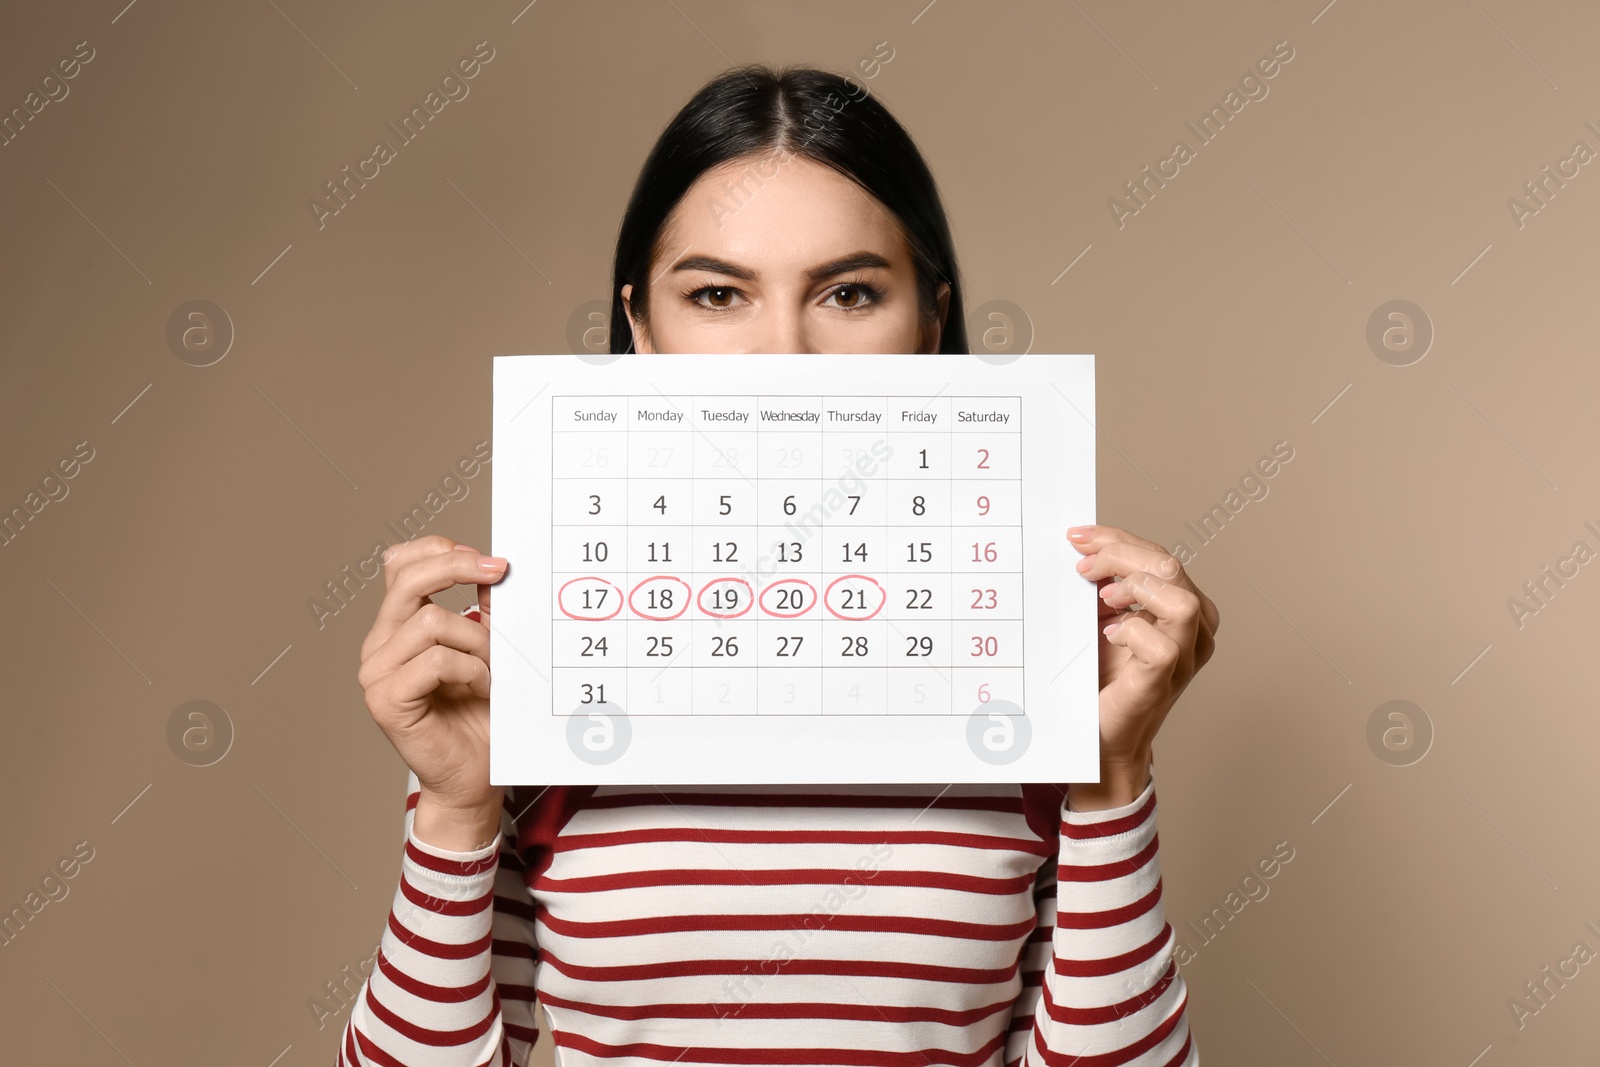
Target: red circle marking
{"points": [[883, 598], [788, 581], [562, 607], [699, 601], [687, 591]]}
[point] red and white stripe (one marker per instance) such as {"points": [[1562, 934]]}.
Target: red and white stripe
{"points": [[877, 926]]}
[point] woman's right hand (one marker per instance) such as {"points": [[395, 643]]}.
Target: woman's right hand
{"points": [[425, 672]]}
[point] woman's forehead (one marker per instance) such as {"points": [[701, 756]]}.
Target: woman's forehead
{"points": [[778, 217]]}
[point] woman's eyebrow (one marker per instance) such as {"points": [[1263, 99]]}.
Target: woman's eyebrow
{"points": [[712, 265], [846, 264], [843, 265]]}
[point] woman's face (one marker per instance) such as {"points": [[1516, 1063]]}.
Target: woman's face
{"points": [[782, 254]]}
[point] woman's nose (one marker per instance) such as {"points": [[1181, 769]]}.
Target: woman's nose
{"points": [[788, 332]]}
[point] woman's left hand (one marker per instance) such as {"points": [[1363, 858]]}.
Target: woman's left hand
{"points": [[1151, 654]]}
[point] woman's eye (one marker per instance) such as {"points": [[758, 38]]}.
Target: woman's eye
{"points": [[722, 297], [854, 297], [846, 297]]}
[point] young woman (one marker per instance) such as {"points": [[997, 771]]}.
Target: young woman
{"points": [[883, 926]]}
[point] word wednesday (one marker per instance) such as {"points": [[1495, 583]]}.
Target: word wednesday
{"points": [[411, 125], [1211, 126]]}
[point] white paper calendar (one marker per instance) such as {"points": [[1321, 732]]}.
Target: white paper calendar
{"points": [[784, 569]]}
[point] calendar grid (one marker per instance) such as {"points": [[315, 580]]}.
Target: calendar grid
{"points": [[656, 462]]}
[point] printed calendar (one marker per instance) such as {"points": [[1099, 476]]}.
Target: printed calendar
{"points": [[743, 569]]}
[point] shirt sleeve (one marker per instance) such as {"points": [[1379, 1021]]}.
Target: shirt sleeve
{"points": [[453, 985], [1109, 993]]}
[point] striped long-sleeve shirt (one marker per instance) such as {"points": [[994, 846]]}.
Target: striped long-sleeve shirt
{"points": [[877, 926]]}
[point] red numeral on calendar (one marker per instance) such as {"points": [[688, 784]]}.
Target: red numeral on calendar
{"points": [[987, 554], [985, 646], [979, 595]]}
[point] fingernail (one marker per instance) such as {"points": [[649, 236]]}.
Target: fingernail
{"points": [[1111, 628], [1080, 533], [491, 563], [465, 548], [1085, 563]]}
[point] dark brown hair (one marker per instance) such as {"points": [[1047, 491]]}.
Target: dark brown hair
{"points": [[822, 116]]}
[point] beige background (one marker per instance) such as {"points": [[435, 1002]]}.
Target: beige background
{"points": [[1230, 313]]}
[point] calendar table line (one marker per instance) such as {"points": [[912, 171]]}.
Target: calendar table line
{"points": [[719, 509]]}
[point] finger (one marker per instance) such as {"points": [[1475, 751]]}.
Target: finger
{"points": [[1167, 604], [1106, 611], [408, 686], [1118, 552], [432, 624], [1093, 538], [1144, 591], [1117, 557], [417, 576], [1155, 656], [398, 556], [1145, 678]]}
